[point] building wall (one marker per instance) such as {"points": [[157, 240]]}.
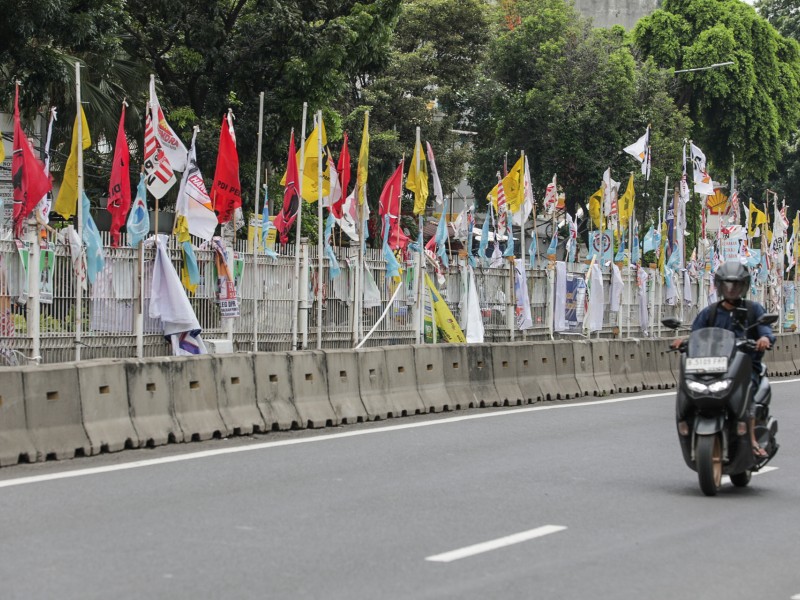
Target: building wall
{"points": [[606, 13]]}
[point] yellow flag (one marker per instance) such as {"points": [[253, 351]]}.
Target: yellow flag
{"points": [[512, 187], [417, 182], [663, 252], [67, 201], [310, 191], [757, 218], [363, 162], [596, 208], [445, 322], [625, 203], [796, 234], [2, 150]]}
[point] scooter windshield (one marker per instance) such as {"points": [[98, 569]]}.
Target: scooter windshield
{"points": [[711, 341]]}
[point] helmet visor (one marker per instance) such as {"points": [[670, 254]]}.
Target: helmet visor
{"points": [[732, 290]]}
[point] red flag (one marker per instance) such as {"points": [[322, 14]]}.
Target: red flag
{"points": [[291, 197], [119, 188], [390, 196], [397, 238], [226, 192], [343, 168], [28, 176]]}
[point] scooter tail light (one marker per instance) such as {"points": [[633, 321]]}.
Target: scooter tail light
{"points": [[683, 428], [741, 428]]}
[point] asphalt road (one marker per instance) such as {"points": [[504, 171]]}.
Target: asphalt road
{"points": [[558, 500]]}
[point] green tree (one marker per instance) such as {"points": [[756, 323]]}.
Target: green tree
{"points": [[747, 109]]}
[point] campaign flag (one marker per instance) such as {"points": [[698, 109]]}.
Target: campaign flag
{"points": [[226, 191], [502, 208], [166, 138], [513, 188], [343, 169], [572, 240], [349, 219], [702, 180], [138, 224], [333, 264], [509, 251], [333, 179], [417, 180], [437, 184], [158, 172], [266, 225], [291, 196], [626, 203], [67, 201], [756, 218], [650, 242], [28, 177], [522, 215], [445, 322], [392, 266], [484, 242], [94, 243], [193, 203], [596, 208], [532, 250], [44, 206], [553, 247], [390, 196], [119, 187], [640, 150], [441, 237], [551, 196], [363, 163]]}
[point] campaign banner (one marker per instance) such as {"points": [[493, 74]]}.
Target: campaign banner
{"points": [[600, 246], [569, 306]]}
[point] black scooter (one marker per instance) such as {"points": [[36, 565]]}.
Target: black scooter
{"points": [[712, 406]]}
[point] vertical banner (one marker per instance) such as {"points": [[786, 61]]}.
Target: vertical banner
{"points": [[523, 309], [568, 310], [47, 266], [429, 330], [789, 312]]}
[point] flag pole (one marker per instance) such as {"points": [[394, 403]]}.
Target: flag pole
{"points": [[320, 241], [522, 233], [296, 281], [257, 239], [358, 303], [419, 325], [78, 285]]}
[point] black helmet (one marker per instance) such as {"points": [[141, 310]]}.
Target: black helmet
{"points": [[732, 280]]}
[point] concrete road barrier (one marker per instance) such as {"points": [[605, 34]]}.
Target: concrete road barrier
{"points": [[795, 351], [343, 387], [310, 389], [649, 357], [194, 393], [151, 405], [373, 381], [236, 393], [506, 380], [53, 411], [634, 365], [15, 442], [274, 393], [455, 369], [527, 376], [429, 366], [401, 369], [544, 366], [565, 370], [104, 405], [584, 368], [601, 367], [481, 375], [619, 374], [661, 349]]}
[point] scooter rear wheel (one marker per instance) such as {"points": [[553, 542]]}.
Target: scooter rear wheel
{"points": [[709, 463]]}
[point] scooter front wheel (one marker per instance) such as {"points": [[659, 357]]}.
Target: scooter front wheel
{"points": [[708, 459]]}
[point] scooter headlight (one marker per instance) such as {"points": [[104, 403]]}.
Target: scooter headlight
{"points": [[697, 387], [719, 386]]}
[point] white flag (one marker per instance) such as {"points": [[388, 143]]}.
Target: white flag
{"points": [[702, 180], [551, 196], [169, 142], [474, 318], [610, 194], [193, 201], [437, 185], [594, 314], [617, 285], [527, 203], [640, 150]]}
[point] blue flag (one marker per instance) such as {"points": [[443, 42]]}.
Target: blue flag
{"points": [[650, 242], [94, 243], [484, 243], [190, 261], [551, 249], [138, 224], [635, 250], [532, 250], [620, 256], [392, 266], [441, 237], [266, 225], [333, 264], [510, 243]]}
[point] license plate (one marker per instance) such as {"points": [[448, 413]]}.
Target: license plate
{"points": [[707, 364]]}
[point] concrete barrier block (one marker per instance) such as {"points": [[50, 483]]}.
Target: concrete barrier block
{"points": [[455, 369], [663, 358], [565, 370], [274, 393], [373, 380], [194, 392], [15, 442], [601, 367], [402, 372], [481, 375], [527, 375], [584, 368], [310, 389], [619, 370], [504, 368], [431, 386], [236, 393], [343, 386], [150, 398], [649, 356], [544, 365], [53, 411], [104, 405], [634, 367], [795, 337]]}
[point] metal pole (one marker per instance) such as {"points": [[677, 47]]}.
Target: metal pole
{"points": [[296, 280], [78, 286], [256, 278], [320, 241]]}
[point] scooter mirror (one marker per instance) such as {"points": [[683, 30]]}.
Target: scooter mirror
{"points": [[671, 322], [768, 319]]}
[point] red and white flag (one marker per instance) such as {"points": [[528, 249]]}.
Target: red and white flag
{"points": [[119, 187], [291, 196], [551, 196], [168, 140], [158, 172], [193, 201], [502, 207], [27, 174], [226, 191], [343, 169]]}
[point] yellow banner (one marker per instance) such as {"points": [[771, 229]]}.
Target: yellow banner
{"points": [[445, 322]]}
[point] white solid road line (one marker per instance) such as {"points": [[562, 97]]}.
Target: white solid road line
{"points": [[307, 440], [502, 542], [726, 479]]}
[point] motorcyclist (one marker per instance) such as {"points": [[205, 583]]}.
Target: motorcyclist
{"points": [[732, 280]]}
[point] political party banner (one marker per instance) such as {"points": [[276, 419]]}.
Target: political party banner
{"points": [[570, 300], [47, 266], [730, 249], [600, 246], [789, 306], [445, 321], [254, 232]]}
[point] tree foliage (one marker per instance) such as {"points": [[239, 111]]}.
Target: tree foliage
{"points": [[747, 109]]}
